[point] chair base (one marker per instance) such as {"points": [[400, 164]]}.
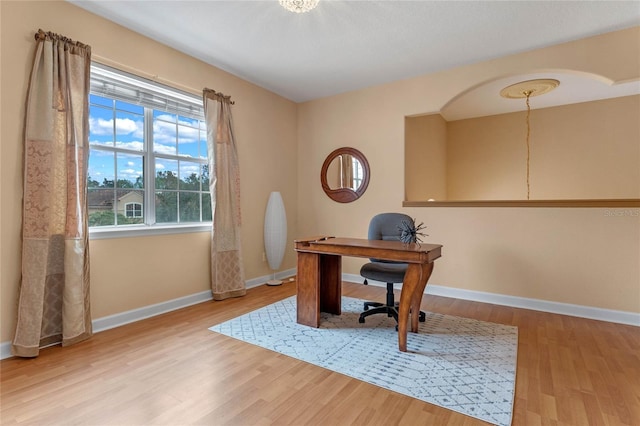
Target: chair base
{"points": [[390, 308], [378, 308]]}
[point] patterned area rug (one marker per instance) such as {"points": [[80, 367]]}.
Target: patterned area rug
{"points": [[457, 363]]}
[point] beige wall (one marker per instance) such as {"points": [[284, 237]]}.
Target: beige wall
{"points": [[580, 151], [593, 148], [425, 160], [581, 256], [584, 256], [130, 273], [487, 163]]}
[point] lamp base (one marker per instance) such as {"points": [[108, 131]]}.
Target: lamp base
{"points": [[274, 282]]}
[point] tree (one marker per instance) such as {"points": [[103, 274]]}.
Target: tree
{"points": [[124, 183], [191, 183], [166, 206], [166, 180], [102, 218], [107, 218], [173, 198], [91, 183]]}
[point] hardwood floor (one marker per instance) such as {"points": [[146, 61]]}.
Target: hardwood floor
{"points": [[171, 370]]}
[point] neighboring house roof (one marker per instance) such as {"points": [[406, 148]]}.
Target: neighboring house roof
{"points": [[102, 198]]}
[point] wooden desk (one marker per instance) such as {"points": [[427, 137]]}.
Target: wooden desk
{"points": [[319, 277]]}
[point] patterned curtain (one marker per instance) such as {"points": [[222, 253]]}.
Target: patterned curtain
{"points": [[54, 292], [227, 276], [347, 171]]}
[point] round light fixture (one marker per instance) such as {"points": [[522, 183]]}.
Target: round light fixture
{"points": [[529, 88], [298, 6]]}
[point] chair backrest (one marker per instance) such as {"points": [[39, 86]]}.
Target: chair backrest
{"points": [[386, 226]]}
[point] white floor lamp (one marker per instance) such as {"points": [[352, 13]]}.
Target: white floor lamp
{"points": [[275, 234]]}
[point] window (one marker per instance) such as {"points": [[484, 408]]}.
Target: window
{"points": [[148, 154], [133, 209], [358, 172]]}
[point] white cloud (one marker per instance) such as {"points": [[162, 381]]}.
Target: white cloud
{"points": [[166, 117], [129, 174], [186, 170], [164, 149], [133, 145], [124, 126], [165, 133]]}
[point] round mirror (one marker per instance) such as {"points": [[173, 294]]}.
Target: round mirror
{"points": [[345, 175]]}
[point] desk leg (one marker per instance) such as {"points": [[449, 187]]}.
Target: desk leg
{"points": [[427, 269], [319, 286], [308, 289], [331, 284], [415, 281]]}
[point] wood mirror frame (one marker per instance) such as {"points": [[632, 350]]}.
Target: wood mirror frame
{"points": [[345, 195]]}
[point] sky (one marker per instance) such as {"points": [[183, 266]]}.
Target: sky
{"points": [[122, 127]]}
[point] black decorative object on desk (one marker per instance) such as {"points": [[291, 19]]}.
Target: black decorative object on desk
{"points": [[410, 233]]}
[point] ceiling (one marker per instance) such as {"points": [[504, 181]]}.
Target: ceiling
{"points": [[347, 45], [485, 99]]}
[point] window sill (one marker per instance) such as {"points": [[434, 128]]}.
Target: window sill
{"points": [[106, 232], [631, 202]]}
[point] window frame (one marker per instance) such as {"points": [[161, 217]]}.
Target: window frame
{"points": [[150, 156], [134, 210], [358, 172]]}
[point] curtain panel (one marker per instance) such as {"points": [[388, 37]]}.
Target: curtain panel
{"points": [[53, 305], [227, 275], [347, 171]]}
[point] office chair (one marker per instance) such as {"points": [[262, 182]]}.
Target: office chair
{"points": [[385, 226]]}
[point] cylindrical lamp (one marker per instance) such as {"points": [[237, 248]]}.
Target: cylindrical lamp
{"points": [[275, 234]]}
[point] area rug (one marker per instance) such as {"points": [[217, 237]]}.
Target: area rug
{"points": [[457, 363]]}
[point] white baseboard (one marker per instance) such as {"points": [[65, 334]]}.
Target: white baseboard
{"points": [[116, 320], [610, 315], [122, 318], [127, 317], [255, 282], [5, 350]]}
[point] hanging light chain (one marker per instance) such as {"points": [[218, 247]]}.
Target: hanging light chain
{"points": [[527, 94], [527, 89]]}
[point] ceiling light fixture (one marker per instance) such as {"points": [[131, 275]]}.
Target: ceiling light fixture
{"points": [[299, 6], [527, 89]]}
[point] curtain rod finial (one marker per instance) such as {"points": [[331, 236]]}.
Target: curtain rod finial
{"points": [[218, 95]]}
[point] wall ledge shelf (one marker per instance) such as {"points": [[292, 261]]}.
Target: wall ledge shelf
{"points": [[602, 203]]}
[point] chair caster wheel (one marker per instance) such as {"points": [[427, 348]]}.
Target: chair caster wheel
{"points": [[361, 320], [422, 317]]}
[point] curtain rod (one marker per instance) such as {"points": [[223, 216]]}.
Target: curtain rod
{"points": [[218, 95], [41, 35], [48, 35], [154, 77]]}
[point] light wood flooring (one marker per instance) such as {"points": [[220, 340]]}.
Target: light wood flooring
{"points": [[171, 370]]}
